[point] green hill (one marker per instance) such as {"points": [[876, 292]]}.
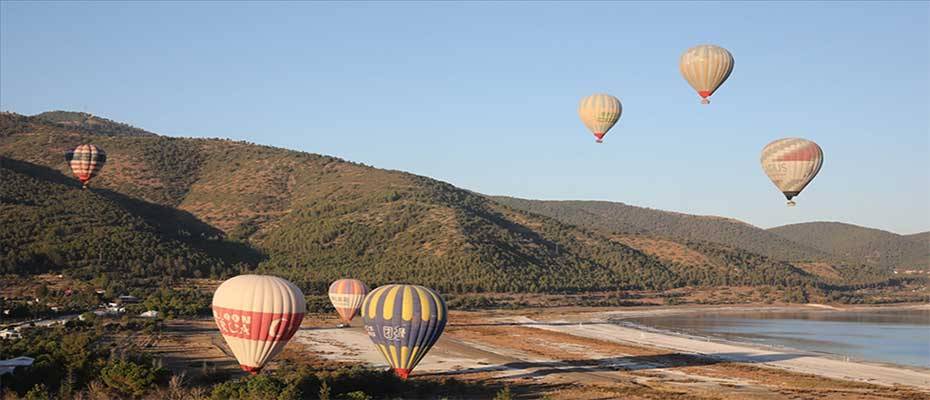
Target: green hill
{"points": [[610, 217], [233, 206], [318, 218], [51, 224], [856, 243]]}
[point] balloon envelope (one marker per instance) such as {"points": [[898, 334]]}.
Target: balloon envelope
{"points": [[706, 67], [599, 112], [257, 315], [791, 164], [347, 296], [85, 161], [404, 321]]}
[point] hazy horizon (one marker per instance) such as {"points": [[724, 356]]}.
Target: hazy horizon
{"points": [[484, 96]]}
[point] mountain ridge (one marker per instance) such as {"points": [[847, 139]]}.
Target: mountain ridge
{"points": [[854, 242], [313, 218], [613, 217]]}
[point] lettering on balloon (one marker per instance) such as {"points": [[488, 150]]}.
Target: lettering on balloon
{"points": [[273, 328], [345, 300], [393, 333], [776, 167], [233, 323], [606, 117], [256, 325]]}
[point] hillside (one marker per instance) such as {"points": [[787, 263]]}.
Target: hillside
{"points": [[91, 123], [614, 218], [922, 237], [315, 218], [851, 242], [51, 224]]}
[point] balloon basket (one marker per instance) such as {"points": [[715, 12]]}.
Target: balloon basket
{"points": [[791, 203], [251, 370], [705, 101], [402, 373]]}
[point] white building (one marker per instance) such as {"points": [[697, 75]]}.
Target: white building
{"points": [[10, 334]]}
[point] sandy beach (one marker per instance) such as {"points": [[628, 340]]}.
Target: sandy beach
{"points": [[581, 347], [789, 360]]}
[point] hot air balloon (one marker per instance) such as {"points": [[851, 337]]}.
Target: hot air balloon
{"points": [[791, 164], [86, 161], [404, 321], [706, 67], [599, 112], [257, 315], [347, 296]]}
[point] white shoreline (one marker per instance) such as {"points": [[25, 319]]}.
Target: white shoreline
{"points": [[787, 359]]}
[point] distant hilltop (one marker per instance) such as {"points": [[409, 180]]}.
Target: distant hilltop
{"points": [[89, 122], [811, 241]]}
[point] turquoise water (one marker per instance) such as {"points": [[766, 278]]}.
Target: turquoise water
{"points": [[894, 336]]}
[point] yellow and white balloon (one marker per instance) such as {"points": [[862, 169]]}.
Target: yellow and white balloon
{"points": [[600, 112], [706, 67]]}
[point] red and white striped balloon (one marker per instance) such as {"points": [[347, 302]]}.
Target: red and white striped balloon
{"points": [[257, 315], [791, 164], [347, 296], [86, 161]]}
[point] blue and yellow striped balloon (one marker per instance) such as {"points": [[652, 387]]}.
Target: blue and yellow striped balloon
{"points": [[404, 321]]}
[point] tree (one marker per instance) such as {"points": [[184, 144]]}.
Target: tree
{"points": [[128, 377], [503, 394], [42, 291], [325, 391], [38, 392]]}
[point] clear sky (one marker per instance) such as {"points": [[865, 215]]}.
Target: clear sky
{"points": [[484, 95]]}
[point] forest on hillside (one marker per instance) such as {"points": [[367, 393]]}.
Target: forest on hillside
{"points": [[872, 246], [169, 208], [609, 217]]}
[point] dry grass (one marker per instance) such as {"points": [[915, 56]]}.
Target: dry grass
{"points": [[666, 250]]}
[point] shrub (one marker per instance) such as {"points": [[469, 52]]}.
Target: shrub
{"points": [[503, 394], [358, 395], [129, 377], [38, 392], [259, 387]]}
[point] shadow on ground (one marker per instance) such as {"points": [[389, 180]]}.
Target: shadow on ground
{"points": [[625, 363]]}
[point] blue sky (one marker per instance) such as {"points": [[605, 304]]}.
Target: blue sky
{"points": [[484, 95]]}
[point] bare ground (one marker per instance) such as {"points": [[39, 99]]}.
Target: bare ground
{"points": [[544, 352]]}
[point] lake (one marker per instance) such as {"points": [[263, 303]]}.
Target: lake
{"points": [[899, 336]]}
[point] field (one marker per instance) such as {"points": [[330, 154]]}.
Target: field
{"points": [[569, 353]]}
